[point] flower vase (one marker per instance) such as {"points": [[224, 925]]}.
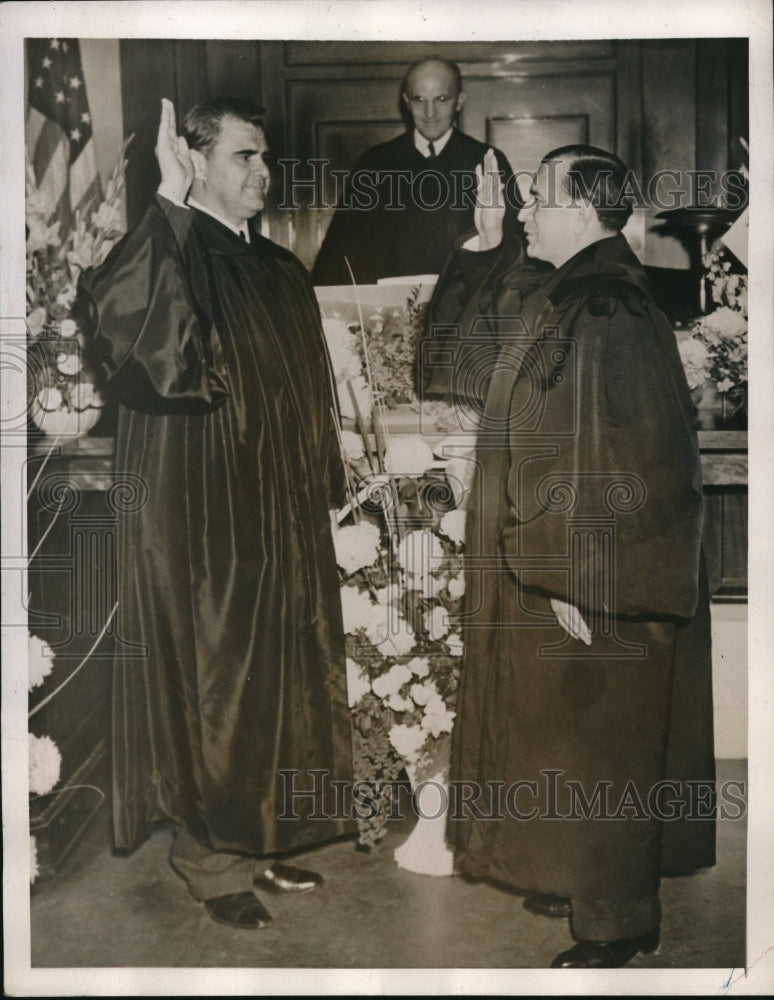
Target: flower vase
{"points": [[425, 851]]}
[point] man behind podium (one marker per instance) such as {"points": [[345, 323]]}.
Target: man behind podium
{"points": [[409, 198]]}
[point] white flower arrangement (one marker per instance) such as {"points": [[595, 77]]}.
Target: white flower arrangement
{"points": [[716, 350], [59, 381], [402, 661]]}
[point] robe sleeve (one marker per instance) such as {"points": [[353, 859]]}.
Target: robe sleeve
{"points": [[151, 339], [476, 301], [604, 490]]}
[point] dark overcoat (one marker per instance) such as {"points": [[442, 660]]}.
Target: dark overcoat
{"points": [[588, 761]]}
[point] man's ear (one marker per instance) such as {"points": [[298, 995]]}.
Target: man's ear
{"points": [[587, 217], [199, 161], [460, 101]]}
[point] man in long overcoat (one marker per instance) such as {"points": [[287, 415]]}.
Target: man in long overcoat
{"points": [[232, 714], [583, 748]]}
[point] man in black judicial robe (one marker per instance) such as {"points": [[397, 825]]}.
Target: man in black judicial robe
{"points": [[586, 684], [407, 199], [211, 338]]}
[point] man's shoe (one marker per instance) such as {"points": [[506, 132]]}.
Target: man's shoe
{"points": [[605, 954], [545, 905], [286, 878], [238, 909]]}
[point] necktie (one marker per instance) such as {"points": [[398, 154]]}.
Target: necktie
{"points": [[431, 147]]}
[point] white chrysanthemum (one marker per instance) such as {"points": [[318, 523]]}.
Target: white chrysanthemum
{"points": [[419, 666], [453, 525], [437, 623], [356, 609], [45, 764], [416, 551], [454, 642], [422, 693], [399, 704], [357, 546], [727, 322], [376, 626], [49, 398], [391, 682], [456, 586], [407, 740], [68, 364], [34, 870], [342, 347], [400, 639], [67, 327], [407, 454], [357, 682], [437, 718], [353, 446], [40, 660], [358, 387]]}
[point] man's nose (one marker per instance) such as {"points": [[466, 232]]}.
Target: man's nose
{"points": [[430, 112]]}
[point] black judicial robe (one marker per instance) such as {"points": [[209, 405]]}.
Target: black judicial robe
{"points": [[228, 582], [401, 212], [587, 489]]}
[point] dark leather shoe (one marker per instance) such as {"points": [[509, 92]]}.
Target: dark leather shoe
{"points": [[545, 905], [286, 878], [605, 954], [238, 909]]}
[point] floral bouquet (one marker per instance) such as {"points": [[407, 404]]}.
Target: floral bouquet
{"points": [[60, 385], [401, 586], [716, 350]]}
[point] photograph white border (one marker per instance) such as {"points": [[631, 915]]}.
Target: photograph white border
{"points": [[376, 20]]}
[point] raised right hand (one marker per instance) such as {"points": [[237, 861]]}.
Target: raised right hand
{"points": [[490, 203], [177, 170]]}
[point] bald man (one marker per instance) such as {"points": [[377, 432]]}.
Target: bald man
{"points": [[409, 198]]}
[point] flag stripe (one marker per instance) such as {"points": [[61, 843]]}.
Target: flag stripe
{"points": [[51, 141], [35, 122], [55, 180], [83, 173]]}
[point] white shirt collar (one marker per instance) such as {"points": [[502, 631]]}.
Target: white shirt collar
{"points": [[238, 230], [422, 144]]}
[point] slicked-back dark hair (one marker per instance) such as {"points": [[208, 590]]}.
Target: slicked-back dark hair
{"points": [[451, 66], [599, 177], [202, 125]]}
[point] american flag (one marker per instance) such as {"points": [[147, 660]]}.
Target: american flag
{"points": [[59, 133]]}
